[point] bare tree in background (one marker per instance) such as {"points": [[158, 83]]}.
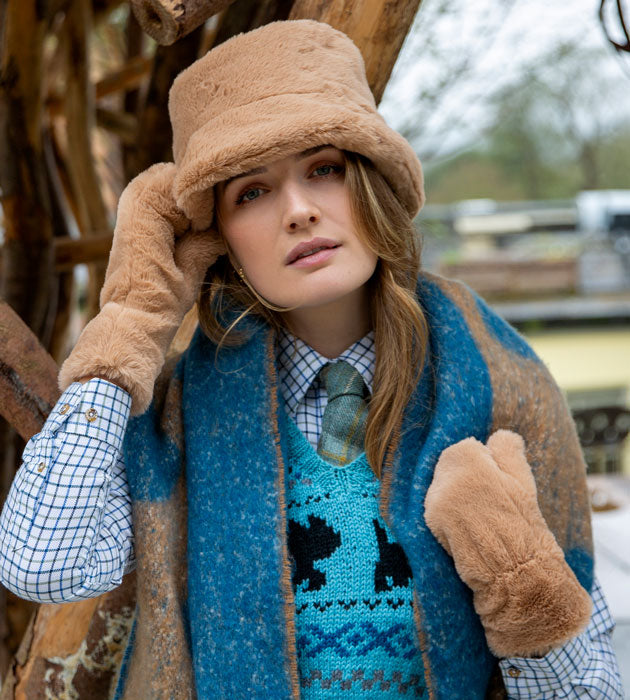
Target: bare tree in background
{"points": [[551, 127], [433, 69]]}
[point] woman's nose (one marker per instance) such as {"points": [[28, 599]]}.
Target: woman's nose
{"points": [[300, 210]]}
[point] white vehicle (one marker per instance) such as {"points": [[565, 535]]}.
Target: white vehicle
{"points": [[604, 210]]}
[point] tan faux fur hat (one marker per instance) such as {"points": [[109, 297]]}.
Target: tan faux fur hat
{"points": [[265, 94]]}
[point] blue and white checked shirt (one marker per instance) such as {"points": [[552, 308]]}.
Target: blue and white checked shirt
{"points": [[66, 531], [303, 390]]}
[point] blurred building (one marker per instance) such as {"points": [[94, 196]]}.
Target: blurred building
{"points": [[560, 272]]}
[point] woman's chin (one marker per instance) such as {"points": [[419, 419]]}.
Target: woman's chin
{"points": [[314, 299], [327, 286]]}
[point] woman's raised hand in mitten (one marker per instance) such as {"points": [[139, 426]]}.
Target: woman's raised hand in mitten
{"points": [[482, 508], [156, 267]]}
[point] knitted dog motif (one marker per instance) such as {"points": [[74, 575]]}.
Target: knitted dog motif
{"points": [[392, 568], [307, 544]]}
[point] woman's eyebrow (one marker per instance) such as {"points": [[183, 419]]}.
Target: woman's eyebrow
{"points": [[262, 169], [310, 151]]}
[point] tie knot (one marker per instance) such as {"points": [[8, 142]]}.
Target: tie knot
{"points": [[342, 379]]}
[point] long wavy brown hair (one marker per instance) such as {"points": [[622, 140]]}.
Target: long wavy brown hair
{"points": [[400, 328]]}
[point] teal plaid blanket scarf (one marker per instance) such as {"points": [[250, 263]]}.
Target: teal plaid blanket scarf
{"points": [[206, 466]]}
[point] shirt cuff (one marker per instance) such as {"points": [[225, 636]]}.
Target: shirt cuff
{"points": [[97, 409], [551, 672]]}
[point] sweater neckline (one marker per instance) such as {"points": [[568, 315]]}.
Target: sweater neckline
{"points": [[305, 463]]}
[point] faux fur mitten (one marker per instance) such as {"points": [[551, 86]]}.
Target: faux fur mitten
{"points": [[482, 508], [155, 270]]}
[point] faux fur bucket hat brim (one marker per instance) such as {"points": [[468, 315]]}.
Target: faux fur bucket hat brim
{"points": [[277, 90]]}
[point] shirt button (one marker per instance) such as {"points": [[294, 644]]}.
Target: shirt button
{"points": [[41, 467], [514, 672], [91, 414], [65, 408]]}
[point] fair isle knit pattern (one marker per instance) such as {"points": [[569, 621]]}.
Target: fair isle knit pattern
{"points": [[352, 582]]}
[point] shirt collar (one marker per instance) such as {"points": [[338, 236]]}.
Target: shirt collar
{"points": [[299, 364]]}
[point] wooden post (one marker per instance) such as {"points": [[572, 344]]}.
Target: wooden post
{"points": [[169, 20], [27, 259], [377, 27], [26, 266], [28, 375], [80, 122]]}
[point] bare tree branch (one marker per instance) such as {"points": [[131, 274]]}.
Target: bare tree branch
{"points": [[166, 21]]}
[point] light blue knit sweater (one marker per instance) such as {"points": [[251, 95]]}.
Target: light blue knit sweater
{"points": [[353, 585]]}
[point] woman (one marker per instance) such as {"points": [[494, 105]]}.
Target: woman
{"points": [[315, 512]]}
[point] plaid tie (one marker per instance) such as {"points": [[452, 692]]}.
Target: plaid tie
{"points": [[343, 424]]}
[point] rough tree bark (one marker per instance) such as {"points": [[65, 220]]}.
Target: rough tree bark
{"points": [[169, 20]]}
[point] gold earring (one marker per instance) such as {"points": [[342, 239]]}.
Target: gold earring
{"points": [[264, 302]]}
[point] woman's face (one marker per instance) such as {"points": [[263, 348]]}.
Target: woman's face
{"points": [[290, 228]]}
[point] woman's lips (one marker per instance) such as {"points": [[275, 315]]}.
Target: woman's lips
{"points": [[314, 258], [305, 247]]}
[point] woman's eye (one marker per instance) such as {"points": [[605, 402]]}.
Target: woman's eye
{"points": [[249, 195], [328, 169]]}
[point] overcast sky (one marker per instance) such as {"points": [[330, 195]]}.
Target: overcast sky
{"points": [[505, 40]]}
